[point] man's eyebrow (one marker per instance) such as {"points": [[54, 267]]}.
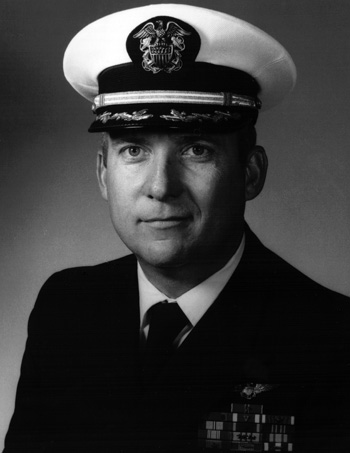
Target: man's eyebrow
{"points": [[126, 138], [178, 138], [215, 139], [185, 138]]}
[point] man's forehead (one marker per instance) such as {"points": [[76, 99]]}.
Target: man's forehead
{"points": [[144, 135]]}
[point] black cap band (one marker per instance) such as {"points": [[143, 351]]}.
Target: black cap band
{"points": [[132, 97], [194, 77]]}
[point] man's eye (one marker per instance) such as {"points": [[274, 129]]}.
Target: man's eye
{"points": [[197, 151], [133, 151]]}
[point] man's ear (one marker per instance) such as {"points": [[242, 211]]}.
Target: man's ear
{"points": [[255, 172], [101, 171]]}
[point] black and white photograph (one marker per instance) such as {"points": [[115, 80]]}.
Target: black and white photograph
{"points": [[175, 232]]}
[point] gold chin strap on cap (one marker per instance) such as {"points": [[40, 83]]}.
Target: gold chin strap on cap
{"points": [[174, 97]]}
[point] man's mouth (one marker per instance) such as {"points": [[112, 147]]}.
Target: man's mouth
{"points": [[167, 222]]}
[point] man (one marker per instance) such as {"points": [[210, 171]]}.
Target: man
{"points": [[202, 339]]}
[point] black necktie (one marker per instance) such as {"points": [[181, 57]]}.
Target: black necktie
{"points": [[166, 320]]}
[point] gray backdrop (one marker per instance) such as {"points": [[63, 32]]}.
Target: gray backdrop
{"points": [[52, 214]]}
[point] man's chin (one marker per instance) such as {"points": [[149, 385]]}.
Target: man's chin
{"points": [[160, 255], [163, 262]]}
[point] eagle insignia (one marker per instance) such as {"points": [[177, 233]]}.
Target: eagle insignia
{"points": [[251, 390], [161, 46]]}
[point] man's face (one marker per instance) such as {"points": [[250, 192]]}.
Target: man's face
{"points": [[175, 197]]}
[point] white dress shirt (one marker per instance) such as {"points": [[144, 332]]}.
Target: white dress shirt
{"points": [[195, 302]]}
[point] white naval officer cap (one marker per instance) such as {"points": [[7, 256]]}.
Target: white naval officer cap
{"points": [[177, 66]]}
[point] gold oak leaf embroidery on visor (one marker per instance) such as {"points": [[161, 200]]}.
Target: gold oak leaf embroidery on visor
{"points": [[174, 116], [217, 116], [134, 116]]}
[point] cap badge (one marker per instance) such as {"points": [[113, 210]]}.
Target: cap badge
{"points": [[161, 46]]}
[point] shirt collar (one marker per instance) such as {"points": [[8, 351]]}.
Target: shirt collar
{"points": [[206, 292]]}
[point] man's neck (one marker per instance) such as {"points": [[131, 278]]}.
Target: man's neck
{"points": [[173, 281]]}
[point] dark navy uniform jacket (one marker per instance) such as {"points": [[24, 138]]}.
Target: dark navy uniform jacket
{"points": [[81, 387]]}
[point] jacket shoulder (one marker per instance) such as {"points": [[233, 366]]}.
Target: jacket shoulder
{"points": [[82, 292], [91, 276], [276, 274]]}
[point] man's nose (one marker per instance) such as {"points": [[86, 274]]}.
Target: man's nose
{"points": [[164, 178]]}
